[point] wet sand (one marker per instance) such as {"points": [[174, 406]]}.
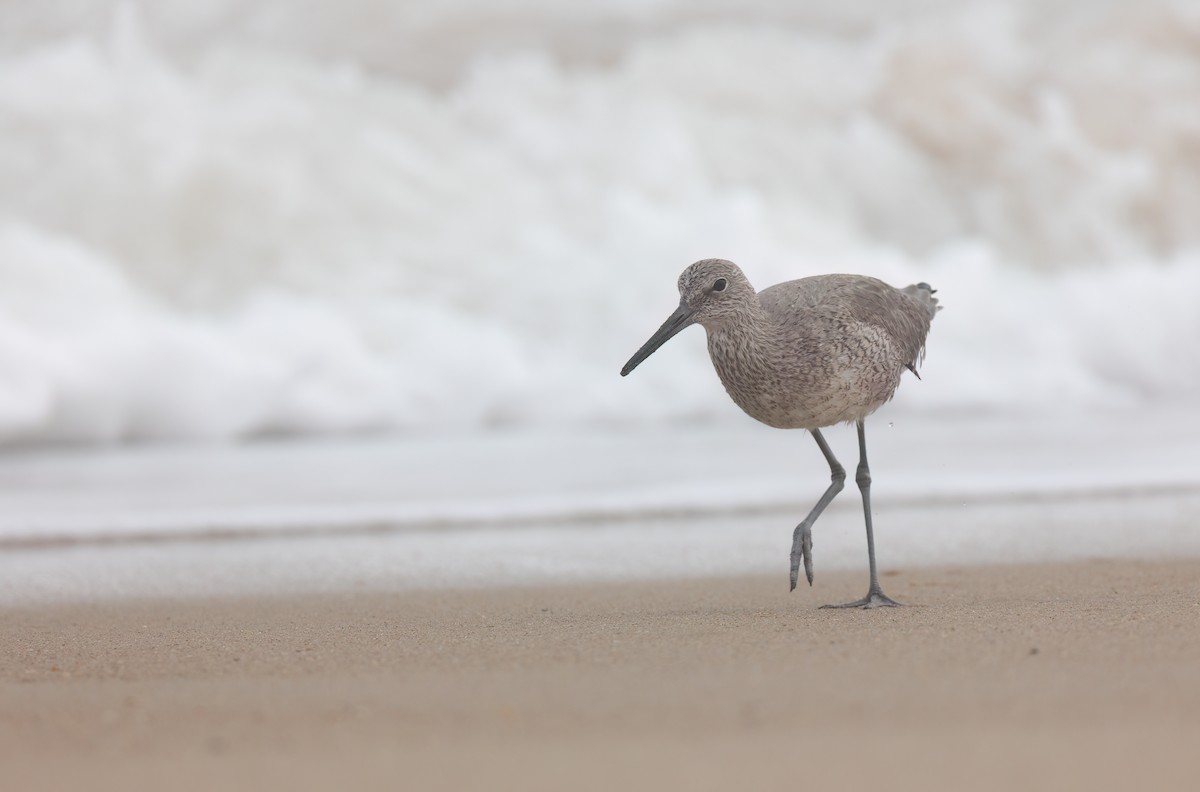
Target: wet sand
{"points": [[1057, 677]]}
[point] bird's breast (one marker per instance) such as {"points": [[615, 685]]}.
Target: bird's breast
{"points": [[798, 382]]}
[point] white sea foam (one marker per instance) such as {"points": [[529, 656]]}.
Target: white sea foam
{"points": [[212, 229]]}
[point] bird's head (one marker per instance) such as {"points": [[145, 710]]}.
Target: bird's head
{"points": [[711, 292], [715, 290]]}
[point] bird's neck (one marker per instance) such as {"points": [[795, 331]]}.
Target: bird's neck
{"points": [[744, 346], [750, 326]]}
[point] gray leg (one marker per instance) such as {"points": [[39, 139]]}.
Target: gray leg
{"points": [[875, 597], [802, 536]]}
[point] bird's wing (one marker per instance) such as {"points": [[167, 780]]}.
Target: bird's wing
{"points": [[842, 299]]}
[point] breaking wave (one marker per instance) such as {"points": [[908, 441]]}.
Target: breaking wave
{"points": [[226, 235]]}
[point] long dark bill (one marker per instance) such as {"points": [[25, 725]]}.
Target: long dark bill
{"points": [[675, 322]]}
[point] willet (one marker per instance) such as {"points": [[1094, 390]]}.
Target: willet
{"points": [[806, 354]]}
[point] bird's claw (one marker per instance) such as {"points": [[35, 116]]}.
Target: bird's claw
{"points": [[802, 552], [874, 599]]}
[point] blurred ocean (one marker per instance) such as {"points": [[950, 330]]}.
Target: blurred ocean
{"points": [[222, 220]]}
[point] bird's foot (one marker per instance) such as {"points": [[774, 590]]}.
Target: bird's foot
{"points": [[802, 551], [875, 599]]}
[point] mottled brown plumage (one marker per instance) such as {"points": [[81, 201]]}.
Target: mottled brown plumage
{"points": [[805, 354], [816, 351]]}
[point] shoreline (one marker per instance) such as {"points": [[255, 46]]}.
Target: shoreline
{"points": [[675, 503], [1050, 675], [569, 518]]}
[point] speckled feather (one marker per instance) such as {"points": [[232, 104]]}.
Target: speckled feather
{"points": [[811, 352]]}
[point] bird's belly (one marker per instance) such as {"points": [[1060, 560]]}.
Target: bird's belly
{"points": [[813, 401], [802, 382]]}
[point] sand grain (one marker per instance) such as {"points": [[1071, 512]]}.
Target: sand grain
{"points": [[1060, 676]]}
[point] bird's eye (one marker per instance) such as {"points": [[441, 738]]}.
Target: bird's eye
{"points": [[720, 284]]}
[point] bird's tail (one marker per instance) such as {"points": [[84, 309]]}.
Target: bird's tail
{"points": [[923, 293]]}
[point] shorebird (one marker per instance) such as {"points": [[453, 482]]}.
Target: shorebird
{"points": [[807, 354]]}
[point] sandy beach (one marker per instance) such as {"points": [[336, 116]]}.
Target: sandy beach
{"points": [[1055, 676]]}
